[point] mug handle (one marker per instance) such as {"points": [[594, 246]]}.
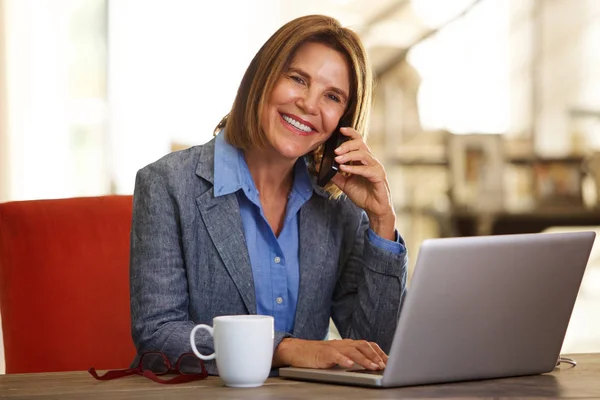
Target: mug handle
{"points": [[193, 342]]}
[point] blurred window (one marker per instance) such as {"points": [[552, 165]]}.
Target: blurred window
{"points": [[465, 70]]}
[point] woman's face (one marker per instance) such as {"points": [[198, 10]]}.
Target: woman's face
{"points": [[307, 101]]}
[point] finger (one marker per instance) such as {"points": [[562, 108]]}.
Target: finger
{"points": [[354, 141], [340, 181], [350, 132], [380, 352], [360, 358], [369, 351], [343, 360], [359, 156], [371, 173], [351, 145], [383, 356]]}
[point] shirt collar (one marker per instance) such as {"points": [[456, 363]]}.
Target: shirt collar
{"points": [[232, 174], [228, 160]]}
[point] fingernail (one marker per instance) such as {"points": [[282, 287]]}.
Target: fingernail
{"points": [[337, 150], [382, 365], [349, 363], [339, 158]]}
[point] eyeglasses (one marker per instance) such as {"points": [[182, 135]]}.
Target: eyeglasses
{"points": [[154, 364]]}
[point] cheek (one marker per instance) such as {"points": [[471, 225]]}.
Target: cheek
{"points": [[331, 118], [264, 118], [269, 112], [283, 93]]}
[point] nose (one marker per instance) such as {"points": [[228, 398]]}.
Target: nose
{"points": [[308, 101]]}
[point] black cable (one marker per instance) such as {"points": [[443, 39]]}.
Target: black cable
{"points": [[566, 360]]}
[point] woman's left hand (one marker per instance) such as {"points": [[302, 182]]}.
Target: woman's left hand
{"points": [[367, 184]]}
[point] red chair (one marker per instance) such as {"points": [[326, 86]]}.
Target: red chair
{"points": [[64, 284]]}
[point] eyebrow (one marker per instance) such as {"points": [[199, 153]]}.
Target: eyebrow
{"points": [[334, 89]]}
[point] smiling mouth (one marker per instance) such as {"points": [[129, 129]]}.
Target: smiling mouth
{"points": [[305, 129]]}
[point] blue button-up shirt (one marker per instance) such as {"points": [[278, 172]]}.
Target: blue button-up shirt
{"points": [[275, 260]]}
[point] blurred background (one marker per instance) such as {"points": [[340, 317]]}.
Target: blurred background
{"points": [[486, 112]]}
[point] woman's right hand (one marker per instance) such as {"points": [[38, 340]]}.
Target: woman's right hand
{"points": [[328, 353]]}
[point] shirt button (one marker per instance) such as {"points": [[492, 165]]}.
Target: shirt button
{"points": [[279, 300], [277, 260]]}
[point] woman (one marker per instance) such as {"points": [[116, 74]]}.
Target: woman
{"points": [[238, 226]]}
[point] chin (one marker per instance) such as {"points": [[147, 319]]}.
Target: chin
{"points": [[291, 151], [291, 154]]}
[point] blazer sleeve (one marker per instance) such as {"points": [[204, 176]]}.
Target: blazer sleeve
{"points": [[370, 290], [158, 280]]}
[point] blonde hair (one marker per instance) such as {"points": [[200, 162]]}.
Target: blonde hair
{"points": [[242, 124]]}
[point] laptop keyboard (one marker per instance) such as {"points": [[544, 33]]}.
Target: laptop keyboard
{"points": [[369, 372]]}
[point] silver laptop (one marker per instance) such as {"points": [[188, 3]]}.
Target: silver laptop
{"points": [[478, 308]]}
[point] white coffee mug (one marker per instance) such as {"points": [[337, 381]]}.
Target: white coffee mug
{"points": [[243, 348]]}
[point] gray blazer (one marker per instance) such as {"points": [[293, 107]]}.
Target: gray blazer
{"points": [[189, 262]]}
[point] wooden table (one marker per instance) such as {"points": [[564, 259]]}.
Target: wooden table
{"points": [[582, 381]]}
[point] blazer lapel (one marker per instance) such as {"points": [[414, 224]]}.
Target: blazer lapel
{"points": [[221, 216], [314, 237]]}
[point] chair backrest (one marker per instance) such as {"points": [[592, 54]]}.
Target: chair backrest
{"points": [[64, 284]]}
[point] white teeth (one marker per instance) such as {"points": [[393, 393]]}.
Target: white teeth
{"points": [[297, 124]]}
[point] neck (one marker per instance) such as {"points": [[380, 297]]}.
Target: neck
{"points": [[272, 176]]}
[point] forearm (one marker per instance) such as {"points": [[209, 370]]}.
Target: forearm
{"points": [[376, 310], [280, 345], [369, 294], [281, 357], [171, 338], [384, 226]]}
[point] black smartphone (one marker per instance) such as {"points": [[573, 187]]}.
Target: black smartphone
{"points": [[329, 167]]}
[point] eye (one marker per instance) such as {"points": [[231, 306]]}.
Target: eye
{"points": [[334, 97], [297, 79]]}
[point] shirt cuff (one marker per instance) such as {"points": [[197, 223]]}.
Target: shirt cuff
{"points": [[396, 247]]}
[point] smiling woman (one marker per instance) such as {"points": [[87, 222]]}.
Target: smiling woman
{"points": [[342, 74], [239, 226], [316, 83]]}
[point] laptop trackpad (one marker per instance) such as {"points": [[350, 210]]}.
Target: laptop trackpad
{"points": [[368, 371]]}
